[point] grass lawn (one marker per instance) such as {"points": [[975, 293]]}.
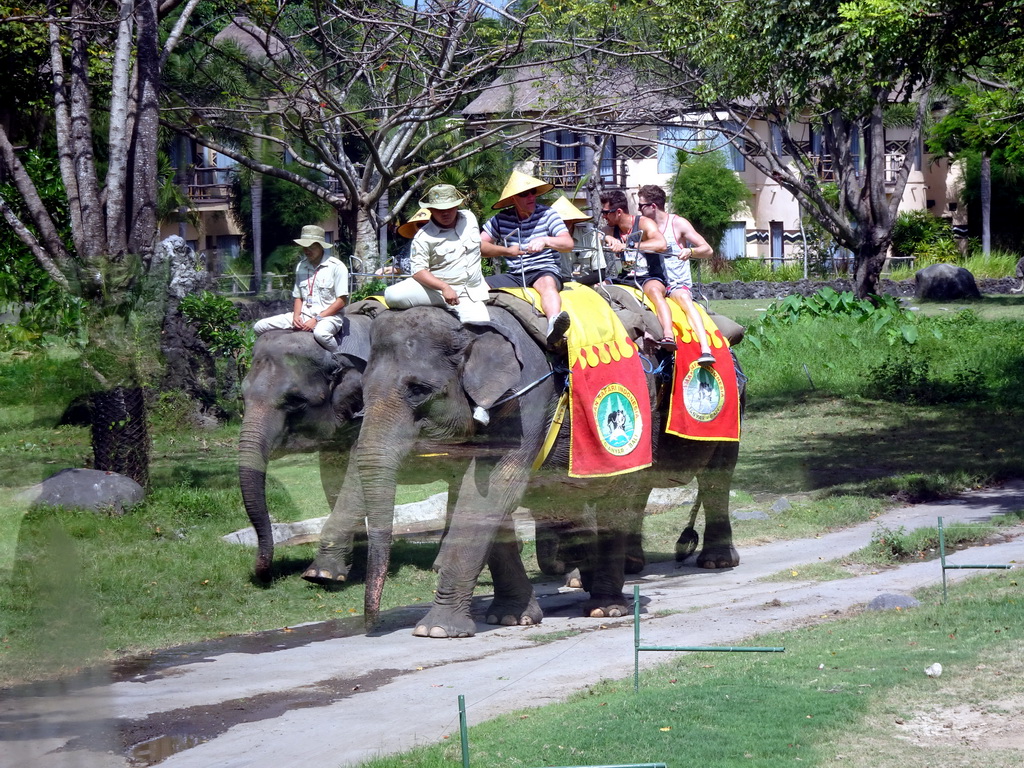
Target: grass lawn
{"points": [[850, 692]]}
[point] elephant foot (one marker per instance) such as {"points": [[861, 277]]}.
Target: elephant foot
{"points": [[325, 574], [573, 580], [719, 557], [686, 544], [442, 622], [512, 613], [611, 607]]}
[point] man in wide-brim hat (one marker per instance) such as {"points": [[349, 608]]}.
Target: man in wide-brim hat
{"points": [[319, 293], [587, 253], [529, 236], [445, 260]]}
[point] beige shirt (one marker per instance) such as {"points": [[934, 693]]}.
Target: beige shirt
{"points": [[453, 255], [319, 286]]}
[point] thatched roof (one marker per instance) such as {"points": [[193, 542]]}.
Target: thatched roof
{"points": [[552, 89]]}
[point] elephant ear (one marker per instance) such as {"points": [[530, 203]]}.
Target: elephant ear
{"points": [[491, 368]]}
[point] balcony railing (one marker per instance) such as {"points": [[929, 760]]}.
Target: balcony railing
{"points": [[564, 174], [209, 185], [824, 169]]}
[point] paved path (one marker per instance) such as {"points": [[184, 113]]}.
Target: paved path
{"points": [[309, 697]]}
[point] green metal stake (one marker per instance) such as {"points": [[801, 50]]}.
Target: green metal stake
{"points": [[942, 559], [680, 648], [463, 733]]}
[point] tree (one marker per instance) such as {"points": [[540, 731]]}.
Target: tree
{"points": [[102, 118], [366, 96], [709, 194], [832, 69]]}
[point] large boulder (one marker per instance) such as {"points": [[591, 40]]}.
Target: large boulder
{"points": [[946, 282], [90, 489]]}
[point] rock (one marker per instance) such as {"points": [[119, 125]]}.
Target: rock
{"points": [[89, 489], [750, 514], [889, 602], [935, 670], [781, 505], [946, 282]]}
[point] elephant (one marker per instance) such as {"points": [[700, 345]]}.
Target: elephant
{"points": [[300, 398], [426, 375]]}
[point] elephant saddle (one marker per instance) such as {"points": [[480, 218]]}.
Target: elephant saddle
{"points": [[705, 402], [608, 399]]}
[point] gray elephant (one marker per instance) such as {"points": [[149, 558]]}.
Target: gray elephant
{"points": [[426, 375], [298, 398]]}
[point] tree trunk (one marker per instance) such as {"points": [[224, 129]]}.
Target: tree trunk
{"points": [[256, 191], [986, 203], [867, 267], [367, 256], [120, 438]]}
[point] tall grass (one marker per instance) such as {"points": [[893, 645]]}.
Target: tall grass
{"points": [[997, 264]]}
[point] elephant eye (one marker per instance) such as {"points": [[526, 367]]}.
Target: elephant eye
{"points": [[418, 391]]}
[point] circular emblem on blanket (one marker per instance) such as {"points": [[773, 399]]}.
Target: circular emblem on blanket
{"points": [[703, 392], [619, 423]]}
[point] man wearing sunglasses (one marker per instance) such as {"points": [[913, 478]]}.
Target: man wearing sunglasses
{"points": [[637, 241], [529, 236]]}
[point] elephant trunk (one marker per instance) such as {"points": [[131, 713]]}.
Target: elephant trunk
{"points": [[261, 433], [384, 441]]}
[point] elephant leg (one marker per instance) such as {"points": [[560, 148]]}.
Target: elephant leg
{"points": [[715, 481], [488, 494], [514, 600], [332, 474], [603, 572], [334, 557], [549, 556]]}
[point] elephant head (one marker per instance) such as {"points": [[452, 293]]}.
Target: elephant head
{"points": [[298, 397]]}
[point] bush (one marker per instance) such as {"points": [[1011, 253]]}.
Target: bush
{"points": [[919, 233]]}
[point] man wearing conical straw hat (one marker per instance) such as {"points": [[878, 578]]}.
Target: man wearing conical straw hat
{"points": [[588, 253], [400, 265], [444, 261], [529, 236], [319, 294]]}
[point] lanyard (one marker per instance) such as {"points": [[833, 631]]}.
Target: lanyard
{"points": [[309, 285]]}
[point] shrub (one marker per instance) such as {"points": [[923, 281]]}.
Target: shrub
{"points": [[915, 231]]}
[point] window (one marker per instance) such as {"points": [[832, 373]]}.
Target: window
{"points": [[734, 159], [734, 241], [673, 138]]}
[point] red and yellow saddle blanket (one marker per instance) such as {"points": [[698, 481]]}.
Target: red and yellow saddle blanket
{"points": [[705, 403], [609, 403]]}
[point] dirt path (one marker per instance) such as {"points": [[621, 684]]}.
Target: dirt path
{"points": [[309, 696]]}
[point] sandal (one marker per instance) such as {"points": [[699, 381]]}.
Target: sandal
{"points": [[706, 358], [667, 343]]}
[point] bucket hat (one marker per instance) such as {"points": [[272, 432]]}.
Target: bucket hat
{"points": [[312, 234], [442, 197], [570, 213], [412, 226], [520, 182]]}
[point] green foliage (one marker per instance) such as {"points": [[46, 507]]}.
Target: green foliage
{"points": [[883, 314], [707, 193], [47, 311], [914, 232], [755, 270], [374, 287], [215, 319]]}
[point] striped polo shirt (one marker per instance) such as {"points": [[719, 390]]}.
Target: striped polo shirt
{"points": [[506, 228]]}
